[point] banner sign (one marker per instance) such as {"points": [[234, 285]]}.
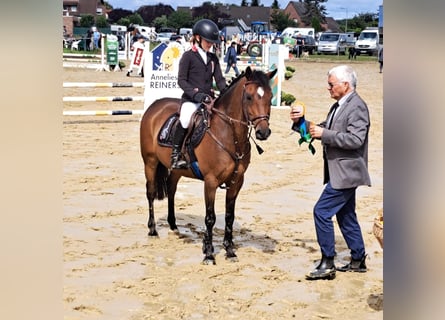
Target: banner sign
{"points": [[161, 72]]}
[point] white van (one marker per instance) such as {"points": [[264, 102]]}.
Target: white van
{"points": [[293, 32], [368, 41], [330, 42]]}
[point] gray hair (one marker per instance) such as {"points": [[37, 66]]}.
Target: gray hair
{"points": [[344, 73]]}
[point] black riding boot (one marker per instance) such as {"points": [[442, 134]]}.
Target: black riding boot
{"points": [[178, 139], [325, 270]]}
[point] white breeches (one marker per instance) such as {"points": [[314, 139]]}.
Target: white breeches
{"points": [[187, 110]]}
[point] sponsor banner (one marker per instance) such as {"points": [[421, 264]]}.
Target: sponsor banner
{"points": [[161, 72]]}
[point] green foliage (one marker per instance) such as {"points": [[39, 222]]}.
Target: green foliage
{"points": [[281, 20], [290, 69], [288, 75], [101, 22], [275, 4], [136, 18], [359, 22], [180, 19], [316, 24], [123, 22], [314, 9], [160, 22], [86, 20], [287, 98]]}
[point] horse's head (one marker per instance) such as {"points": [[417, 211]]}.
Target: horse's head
{"points": [[257, 100]]}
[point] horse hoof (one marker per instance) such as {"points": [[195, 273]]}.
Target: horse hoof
{"points": [[209, 261], [174, 231], [232, 259], [153, 233]]}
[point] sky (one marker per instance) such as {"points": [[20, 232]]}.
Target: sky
{"points": [[338, 9]]}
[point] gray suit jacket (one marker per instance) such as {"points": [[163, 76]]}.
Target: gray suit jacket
{"points": [[345, 145]]}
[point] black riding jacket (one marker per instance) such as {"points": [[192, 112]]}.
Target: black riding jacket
{"points": [[195, 76]]}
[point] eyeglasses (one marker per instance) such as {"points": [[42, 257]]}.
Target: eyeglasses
{"points": [[331, 85]]}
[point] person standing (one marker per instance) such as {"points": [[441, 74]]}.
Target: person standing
{"points": [[96, 38], [89, 36], [231, 58], [381, 58], [197, 69], [344, 137]]}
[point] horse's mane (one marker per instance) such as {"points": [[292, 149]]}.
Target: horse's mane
{"points": [[256, 76]]}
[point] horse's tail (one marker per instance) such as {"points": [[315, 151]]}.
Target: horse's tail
{"points": [[161, 181]]}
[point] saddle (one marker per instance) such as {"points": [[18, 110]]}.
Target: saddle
{"points": [[198, 126]]}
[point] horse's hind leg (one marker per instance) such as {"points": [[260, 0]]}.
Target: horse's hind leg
{"points": [[151, 224], [150, 191], [172, 183]]}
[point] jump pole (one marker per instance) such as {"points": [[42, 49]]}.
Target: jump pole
{"points": [[102, 99], [102, 112], [103, 84]]}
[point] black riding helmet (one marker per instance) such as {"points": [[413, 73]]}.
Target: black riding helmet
{"points": [[207, 29]]}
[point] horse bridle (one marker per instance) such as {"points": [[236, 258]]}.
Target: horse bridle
{"points": [[259, 118], [238, 155]]}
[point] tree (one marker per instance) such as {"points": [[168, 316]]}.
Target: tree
{"points": [[149, 13], [316, 24], [123, 22], [160, 22], [117, 14], [180, 19], [136, 18], [244, 3], [255, 3], [208, 11], [86, 20], [101, 22], [314, 9], [359, 22], [275, 4], [281, 20]]}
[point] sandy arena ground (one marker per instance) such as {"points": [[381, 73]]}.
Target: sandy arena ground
{"points": [[114, 271]]}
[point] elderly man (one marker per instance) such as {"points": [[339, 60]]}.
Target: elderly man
{"points": [[344, 136]]}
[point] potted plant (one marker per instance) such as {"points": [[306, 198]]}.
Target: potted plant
{"points": [[288, 75]]}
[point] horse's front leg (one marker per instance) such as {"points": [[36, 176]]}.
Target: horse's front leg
{"points": [[231, 195], [210, 219]]}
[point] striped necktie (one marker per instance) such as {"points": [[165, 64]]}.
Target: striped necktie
{"points": [[333, 109]]}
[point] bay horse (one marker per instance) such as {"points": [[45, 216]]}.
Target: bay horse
{"points": [[222, 155]]}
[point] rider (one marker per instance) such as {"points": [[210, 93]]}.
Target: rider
{"points": [[197, 69]]}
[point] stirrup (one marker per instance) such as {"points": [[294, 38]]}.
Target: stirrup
{"points": [[179, 164]]}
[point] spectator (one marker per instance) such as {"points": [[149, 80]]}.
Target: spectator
{"points": [[89, 36], [344, 136], [231, 58], [96, 38]]}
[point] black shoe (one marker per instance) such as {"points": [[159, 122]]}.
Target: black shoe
{"points": [[325, 270], [354, 266]]}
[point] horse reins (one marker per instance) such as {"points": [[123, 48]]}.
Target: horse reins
{"points": [[249, 124]]}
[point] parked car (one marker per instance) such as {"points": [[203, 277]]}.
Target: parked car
{"points": [[331, 42], [304, 44], [164, 36]]}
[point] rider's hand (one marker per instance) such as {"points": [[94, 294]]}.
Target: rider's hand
{"points": [[202, 97]]}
